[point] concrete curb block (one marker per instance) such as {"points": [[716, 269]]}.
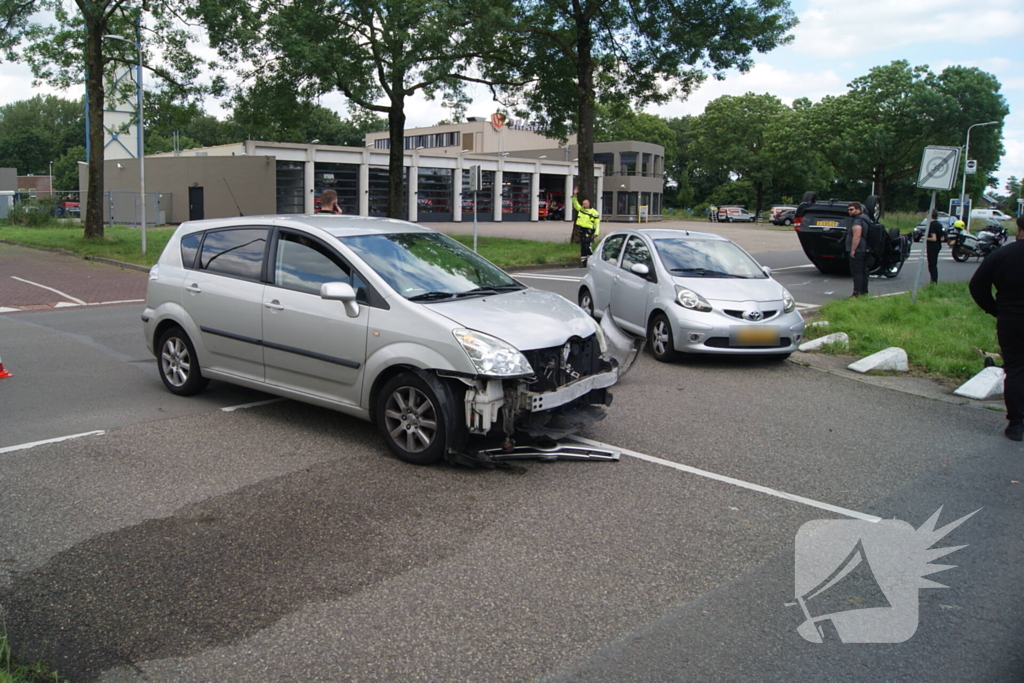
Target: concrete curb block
{"points": [[837, 338], [987, 384], [892, 358]]}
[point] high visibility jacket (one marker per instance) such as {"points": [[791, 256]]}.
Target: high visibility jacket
{"points": [[587, 218]]}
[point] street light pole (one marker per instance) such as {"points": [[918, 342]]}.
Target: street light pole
{"points": [[967, 148]]}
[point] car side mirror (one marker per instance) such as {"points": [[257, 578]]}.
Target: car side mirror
{"points": [[343, 292], [767, 270], [640, 269]]}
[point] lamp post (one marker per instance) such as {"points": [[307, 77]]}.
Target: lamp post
{"points": [[141, 153], [51, 177], [967, 149]]}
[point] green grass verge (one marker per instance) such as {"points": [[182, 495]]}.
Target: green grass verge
{"points": [[125, 244], [941, 332], [14, 671]]}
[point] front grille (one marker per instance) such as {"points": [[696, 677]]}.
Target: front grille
{"points": [[557, 366], [723, 343], [767, 315]]}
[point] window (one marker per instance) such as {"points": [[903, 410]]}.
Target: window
{"points": [[291, 185], [304, 264], [628, 163], [343, 179], [237, 253], [435, 192], [636, 251], [189, 249], [608, 159], [611, 248]]}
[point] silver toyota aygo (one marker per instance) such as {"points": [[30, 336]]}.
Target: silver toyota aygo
{"points": [[381, 319], [690, 292]]}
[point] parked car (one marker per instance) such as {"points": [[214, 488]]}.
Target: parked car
{"points": [[784, 217], [690, 292], [822, 226], [945, 219], [378, 318], [735, 214]]}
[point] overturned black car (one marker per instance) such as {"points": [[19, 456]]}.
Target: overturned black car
{"points": [[822, 227]]}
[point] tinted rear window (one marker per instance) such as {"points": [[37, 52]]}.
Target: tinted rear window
{"points": [[238, 253], [189, 249]]}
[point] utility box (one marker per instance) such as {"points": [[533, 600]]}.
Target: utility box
{"points": [[6, 202]]}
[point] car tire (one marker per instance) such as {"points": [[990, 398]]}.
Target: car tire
{"points": [[787, 221], [411, 419], [960, 254], [809, 196], [586, 301], [893, 270], [917, 238], [873, 208], [178, 364], [662, 341]]}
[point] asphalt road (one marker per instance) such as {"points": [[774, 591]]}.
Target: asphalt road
{"points": [[283, 543]]}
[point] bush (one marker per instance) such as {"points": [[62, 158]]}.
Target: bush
{"points": [[33, 213]]}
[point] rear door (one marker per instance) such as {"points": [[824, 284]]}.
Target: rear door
{"points": [[224, 297]]}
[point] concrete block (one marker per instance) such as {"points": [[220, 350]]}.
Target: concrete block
{"points": [[818, 323], [892, 358], [986, 385], [836, 338]]}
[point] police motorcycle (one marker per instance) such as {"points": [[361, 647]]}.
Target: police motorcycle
{"points": [[992, 236]]}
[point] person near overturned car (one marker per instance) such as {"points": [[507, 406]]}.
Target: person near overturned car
{"points": [[933, 242], [857, 248], [1004, 270], [588, 221]]}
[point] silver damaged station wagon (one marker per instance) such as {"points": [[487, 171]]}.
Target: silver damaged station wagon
{"points": [[381, 319]]}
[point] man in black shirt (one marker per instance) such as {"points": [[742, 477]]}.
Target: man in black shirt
{"points": [[857, 247], [1004, 269], [934, 244]]}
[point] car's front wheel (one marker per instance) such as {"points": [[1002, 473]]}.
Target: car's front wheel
{"points": [[178, 363], [586, 301], [411, 419], [787, 221], [662, 343]]}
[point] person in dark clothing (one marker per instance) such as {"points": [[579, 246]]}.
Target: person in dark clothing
{"points": [[934, 244], [329, 202], [857, 248], [1004, 269]]}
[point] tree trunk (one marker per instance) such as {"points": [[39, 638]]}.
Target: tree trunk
{"points": [[94, 90], [586, 115], [396, 155]]}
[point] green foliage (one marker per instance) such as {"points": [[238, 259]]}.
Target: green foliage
{"points": [[13, 670], [33, 212], [36, 131], [941, 332]]}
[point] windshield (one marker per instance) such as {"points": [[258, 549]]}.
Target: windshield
{"points": [[706, 258], [426, 266]]}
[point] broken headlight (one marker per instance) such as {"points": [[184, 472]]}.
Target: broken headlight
{"points": [[492, 356]]}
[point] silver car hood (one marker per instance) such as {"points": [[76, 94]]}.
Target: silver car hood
{"points": [[542, 319], [732, 289]]}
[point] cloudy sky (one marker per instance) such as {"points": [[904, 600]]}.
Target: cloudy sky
{"points": [[835, 42]]}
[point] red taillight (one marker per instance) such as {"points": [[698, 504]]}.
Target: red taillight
{"points": [[796, 223]]}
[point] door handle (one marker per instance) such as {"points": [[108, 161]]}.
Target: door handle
{"points": [[193, 288], [274, 305]]}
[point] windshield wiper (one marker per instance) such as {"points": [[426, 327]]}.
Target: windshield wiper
{"points": [[432, 296], [704, 271]]}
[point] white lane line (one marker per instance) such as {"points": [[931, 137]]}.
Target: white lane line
{"points": [[56, 291], [561, 278], [8, 310], [231, 409], [123, 301], [24, 446], [735, 482]]}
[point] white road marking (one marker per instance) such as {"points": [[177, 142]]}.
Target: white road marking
{"points": [[735, 482], [56, 291], [124, 301], [8, 310], [560, 278], [231, 409], [24, 446]]}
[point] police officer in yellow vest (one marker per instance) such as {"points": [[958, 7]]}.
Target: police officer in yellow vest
{"points": [[588, 220]]}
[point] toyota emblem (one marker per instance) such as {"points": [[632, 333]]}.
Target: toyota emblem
{"points": [[754, 316]]}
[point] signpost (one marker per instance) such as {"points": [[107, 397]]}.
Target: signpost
{"points": [[938, 172]]}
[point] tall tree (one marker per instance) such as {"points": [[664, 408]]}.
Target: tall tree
{"points": [[70, 49], [36, 131], [377, 53], [579, 53]]}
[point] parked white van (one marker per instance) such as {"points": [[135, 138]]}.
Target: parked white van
{"points": [[984, 214]]}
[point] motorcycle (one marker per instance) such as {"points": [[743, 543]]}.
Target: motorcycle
{"points": [[988, 239]]}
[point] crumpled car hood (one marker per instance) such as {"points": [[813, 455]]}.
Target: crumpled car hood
{"points": [[527, 319]]}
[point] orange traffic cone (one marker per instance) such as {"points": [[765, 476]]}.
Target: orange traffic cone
{"points": [[3, 373]]}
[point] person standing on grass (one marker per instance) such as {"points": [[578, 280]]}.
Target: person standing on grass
{"points": [[1004, 269], [588, 221], [857, 248], [934, 244]]}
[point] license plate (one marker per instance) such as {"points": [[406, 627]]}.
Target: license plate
{"points": [[827, 224], [754, 335]]}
